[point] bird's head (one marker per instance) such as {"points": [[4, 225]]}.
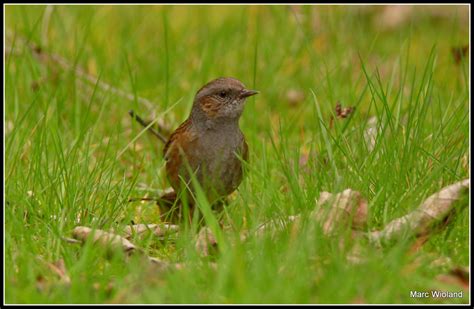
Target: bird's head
{"points": [[221, 99]]}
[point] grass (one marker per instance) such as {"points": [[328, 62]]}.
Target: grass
{"points": [[62, 167]]}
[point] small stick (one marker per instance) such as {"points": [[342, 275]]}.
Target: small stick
{"points": [[135, 199], [58, 61], [146, 125]]}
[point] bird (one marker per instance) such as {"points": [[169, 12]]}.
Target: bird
{"points": [[208, 144]]}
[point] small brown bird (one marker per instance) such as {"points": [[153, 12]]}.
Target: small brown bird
{"points": [[209, 143]]}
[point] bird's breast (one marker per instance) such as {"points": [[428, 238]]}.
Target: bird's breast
{"points": [[220, 164]]}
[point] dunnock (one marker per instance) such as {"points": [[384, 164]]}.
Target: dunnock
{"points": [[209, 143]]}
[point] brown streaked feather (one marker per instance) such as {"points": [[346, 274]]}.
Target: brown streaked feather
{"points": [[179, 148], [182, 128]]}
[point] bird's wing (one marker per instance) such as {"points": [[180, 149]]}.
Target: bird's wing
{"points": [[174, 136]]}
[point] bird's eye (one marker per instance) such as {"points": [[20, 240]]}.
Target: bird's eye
{"points": [[222, 94]]}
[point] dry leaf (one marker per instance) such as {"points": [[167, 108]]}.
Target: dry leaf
{"points": [[295, 97], [345, 208], [462, 273], [459, 53], [165, 266], [343, 112], [41, 283], [59, 268], [159, 230], [356, 255], [103, 238], [206, 243], [394, 16], [458, 276], [419, 222], [114, 241], [335, 210]]}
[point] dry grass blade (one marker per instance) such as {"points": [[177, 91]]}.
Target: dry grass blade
{"points": [[59, 268], [370, 133], [271, 226]]}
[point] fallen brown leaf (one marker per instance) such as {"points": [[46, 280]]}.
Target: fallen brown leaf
{"points": [[295, 97], [41, 284], [206, 243], [459, 53], [437, 208], [103, 238], [356, 255], [343, 112], [394, 16], [458, 277], [59, 268], [336, 210], [116, 242], [158, 230]]}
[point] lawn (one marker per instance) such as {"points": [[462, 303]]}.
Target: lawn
{"points": [[74, 157]]}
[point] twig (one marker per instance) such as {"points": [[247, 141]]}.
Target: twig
{"points": [[147, 126], [45, 58]]}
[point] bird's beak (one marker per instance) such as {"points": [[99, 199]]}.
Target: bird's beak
{"points": [[247, 93]]}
